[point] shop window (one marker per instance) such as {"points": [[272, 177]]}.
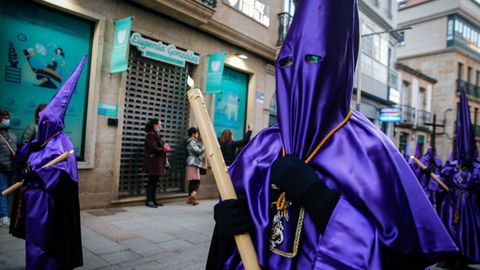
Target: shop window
{"points": [[421, 143], [43, 47]]}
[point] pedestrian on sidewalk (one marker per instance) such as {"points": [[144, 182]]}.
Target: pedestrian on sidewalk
{"points": [[8, 147], [155, 158], [195, 159], [31, 131], [230, 147]]}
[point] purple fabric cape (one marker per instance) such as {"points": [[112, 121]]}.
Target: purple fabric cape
{"points": [[382, 203], [460, 209], [38, 199]]}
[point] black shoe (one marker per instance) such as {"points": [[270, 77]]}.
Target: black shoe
{"points": [[158, 204], [151, 205]]}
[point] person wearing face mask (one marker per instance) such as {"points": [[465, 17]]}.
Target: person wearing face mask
{"points": [[155, 159], [8, 147], [195, 157]]}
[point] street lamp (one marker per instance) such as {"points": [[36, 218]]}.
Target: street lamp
{"points": [[359, 60]]}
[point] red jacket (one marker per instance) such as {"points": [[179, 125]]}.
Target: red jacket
{"points": [[154, 157]]}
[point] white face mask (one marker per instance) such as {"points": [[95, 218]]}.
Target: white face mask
{"points": [[157, 130], [6, 123]]}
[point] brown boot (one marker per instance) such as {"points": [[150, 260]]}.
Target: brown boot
{"points": [[189, 199], [194, 198]]}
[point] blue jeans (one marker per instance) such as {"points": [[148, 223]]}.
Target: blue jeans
{"points": [[4, 200]]}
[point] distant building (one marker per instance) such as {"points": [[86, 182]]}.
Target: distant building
{"points": [[416, 110], [444, 44]]}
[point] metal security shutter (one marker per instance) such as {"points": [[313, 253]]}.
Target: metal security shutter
{"points": [[154, 90]]}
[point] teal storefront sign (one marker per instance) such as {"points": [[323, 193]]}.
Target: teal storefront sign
{"points": [[107, 109], [231, 104], [120, 45], [216, 63], [158, 51], [39, 49]]}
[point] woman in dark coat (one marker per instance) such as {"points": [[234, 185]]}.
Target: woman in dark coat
{"points": [[229, 147], [154, 163]]}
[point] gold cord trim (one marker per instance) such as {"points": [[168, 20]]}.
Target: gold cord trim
{"points": [[43, 144]]}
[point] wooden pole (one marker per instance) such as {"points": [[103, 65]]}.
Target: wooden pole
{"points": [[54, 161], [435, 177], [220, 172]]}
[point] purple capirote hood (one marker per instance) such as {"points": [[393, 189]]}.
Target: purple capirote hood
{"points": [[465, 147], [315, 70], [51, 120]]}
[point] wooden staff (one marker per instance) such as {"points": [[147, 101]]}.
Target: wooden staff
{"points": [[54, 161], [220, 172], [435, 177]]}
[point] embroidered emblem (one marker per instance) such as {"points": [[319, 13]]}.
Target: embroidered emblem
{"points": [[277, 230]]}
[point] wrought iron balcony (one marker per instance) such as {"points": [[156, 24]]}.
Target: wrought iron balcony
{"points": [[408, 114], [284, 20], [470, 89], [423, 117], [210, 3]]}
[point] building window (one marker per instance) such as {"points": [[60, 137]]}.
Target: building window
{"points": [[469, 74], [475, 119], [478, 78], [272, 115], [463, 34], [421, 143], [460, 71], [402, 144], [289, 7], [422, 98]]}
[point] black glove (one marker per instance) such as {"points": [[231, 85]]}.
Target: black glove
{"points": [[30, 176], [426, 171], [232, 217], [302, 185]]}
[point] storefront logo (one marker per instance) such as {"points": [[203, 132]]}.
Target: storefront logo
{"points": [[156, 50], [120, 45]]}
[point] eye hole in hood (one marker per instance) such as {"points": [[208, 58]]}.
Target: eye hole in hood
{"points": [[313, 59], [286, 61]]}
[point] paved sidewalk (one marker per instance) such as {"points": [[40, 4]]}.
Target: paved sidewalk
{"points": [[175, 236]]}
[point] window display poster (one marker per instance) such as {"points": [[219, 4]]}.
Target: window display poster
{"points": [[39, 49], [230, 106]]}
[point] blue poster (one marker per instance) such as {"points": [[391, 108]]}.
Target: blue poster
{"points": [[231, 104], [39, 49], [120, 45], [215, 73]]}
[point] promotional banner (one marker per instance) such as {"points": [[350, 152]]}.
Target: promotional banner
{"points": [[231, 104], [216, 63], [120, 45], [39, 49]]}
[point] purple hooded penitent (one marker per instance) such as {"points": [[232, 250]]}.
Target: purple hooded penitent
{"points": [[434, 164], [382, 205], [49, 209], [460, 209], [417, 154]]}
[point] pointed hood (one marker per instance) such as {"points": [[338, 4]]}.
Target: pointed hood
{"points": [[466, 147], [314, 72], [51, 120]]}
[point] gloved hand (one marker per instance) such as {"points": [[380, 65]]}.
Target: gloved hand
{"points": [[426, 171], [232, 217], [30, 176], [302, 186]]}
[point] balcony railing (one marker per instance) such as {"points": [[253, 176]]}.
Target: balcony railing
{"points": [[284, 20], [470, 89], [408, 114], [210, 3], [423, 117]]}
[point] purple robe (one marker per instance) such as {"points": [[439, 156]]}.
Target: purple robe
{"points": [[51, 225], [382, 205], [429, 185], [460, 209]]}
